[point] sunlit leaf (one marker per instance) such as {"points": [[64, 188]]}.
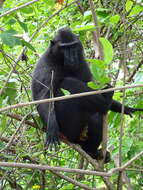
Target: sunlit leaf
{"points": [[137, 9], [102, 12], [66, 92], [90, 27], [93, 85], [27, 10], [107, 49], [115, 19], [129, 5], [99, 72]]}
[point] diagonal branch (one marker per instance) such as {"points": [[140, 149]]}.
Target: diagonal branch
{"points": [[17, 8]]}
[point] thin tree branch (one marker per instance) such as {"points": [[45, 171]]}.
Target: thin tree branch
{"points": [[123, 63], [135, 71], [69, 97], [13, 136], [52, 168], [96, 33], [19, 118], [17, 8], [69, 170], [73, 181]]}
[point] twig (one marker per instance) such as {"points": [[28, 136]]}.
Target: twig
{"points": [[69, 97], [135, 71], [50, 17], [12, 70], [113, 12], [46, 167], [5, 139], [83, 153], [13, 136], [104, 138], [98, 48], [123, 62], [80, 166], [132, 160], [75, 182], [43, 179], [19, 118], [126, 165], [81, 8], [61, 169], [96, 35], [17, 8], [126, 180], [93, 163], [97, 32]]}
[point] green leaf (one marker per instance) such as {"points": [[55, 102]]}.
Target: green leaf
{"points": [[137, 9], [98, 71], [27, 44], [66, 92], [93, 85], [9, 39], [103, 13], [11, 32], [127, 143], [27, 10], [115, 19], [89, 27], [107, 49], [3, 121], [11, 91], [97, 61], [11, 21], [69, 187], [23, 26], [129, 5]]}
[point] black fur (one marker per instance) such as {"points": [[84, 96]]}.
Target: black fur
{"points": [[65, 58]]}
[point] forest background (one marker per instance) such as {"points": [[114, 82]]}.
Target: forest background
{"points": [[111, 33]]}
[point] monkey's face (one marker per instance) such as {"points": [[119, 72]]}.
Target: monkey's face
{"points": [[71, 56], [67, 48]]}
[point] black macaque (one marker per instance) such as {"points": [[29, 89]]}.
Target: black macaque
{"points": [[65, 59]]}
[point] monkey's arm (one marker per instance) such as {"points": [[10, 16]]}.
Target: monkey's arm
{"points": [[117, 107]]}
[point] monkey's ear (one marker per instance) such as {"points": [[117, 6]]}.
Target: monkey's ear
{"points": [[52, 42]]}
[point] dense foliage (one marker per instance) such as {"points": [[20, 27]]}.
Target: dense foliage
{"points": [[25, 34]]}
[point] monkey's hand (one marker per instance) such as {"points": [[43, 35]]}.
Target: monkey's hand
{"points": [[129, 111], [52, 133]]}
